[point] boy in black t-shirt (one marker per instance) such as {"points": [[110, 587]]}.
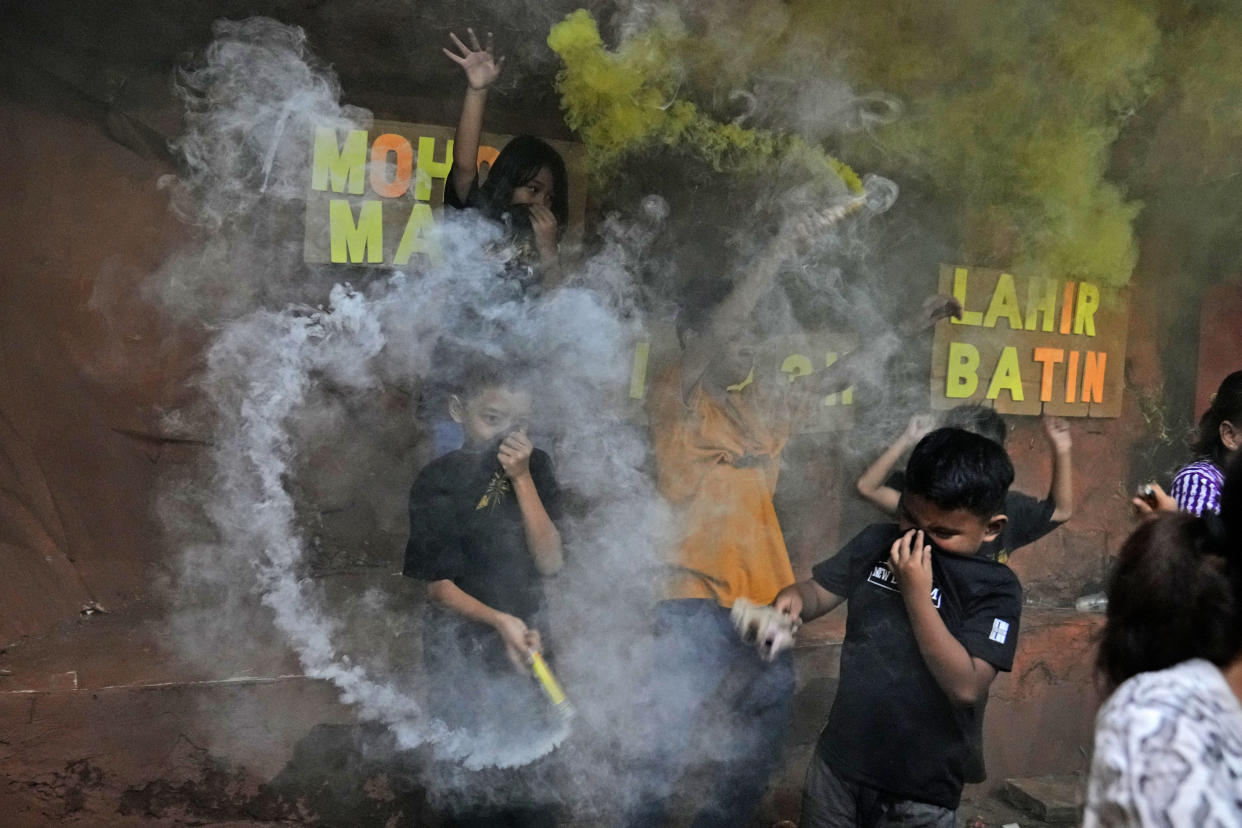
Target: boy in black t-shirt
{"points": [[482, 535], [931, 621]]}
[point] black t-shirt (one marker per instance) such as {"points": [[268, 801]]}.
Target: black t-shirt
{"points": [[1029, 520], [515, 251], [891, 726], [466, 527]]}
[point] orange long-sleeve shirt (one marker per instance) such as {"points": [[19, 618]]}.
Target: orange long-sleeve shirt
{"points": [[717, 462]]}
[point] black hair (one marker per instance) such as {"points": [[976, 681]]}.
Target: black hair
{"points": [[977, 419], [956, 469], [1226, 405], [1176, 591], [480, 372], [1169, 600], [698, 299], [520, 161]]}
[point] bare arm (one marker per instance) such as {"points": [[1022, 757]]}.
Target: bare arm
{"points": [[481, 71], [543, 539], [963, 678], [806, 600], [519, 639], [736, 308], [855, 365], [1058, 432], [871, 483]]}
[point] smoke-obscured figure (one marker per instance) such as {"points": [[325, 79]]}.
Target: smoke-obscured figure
{"points": [[291, 362], [484, 538], [527, 186], [718, 431]]}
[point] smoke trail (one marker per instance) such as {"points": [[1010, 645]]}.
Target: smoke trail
{"points": [[276, 357]]}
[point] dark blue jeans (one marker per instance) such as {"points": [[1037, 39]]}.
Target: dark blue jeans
{"points": [[712, 702]]}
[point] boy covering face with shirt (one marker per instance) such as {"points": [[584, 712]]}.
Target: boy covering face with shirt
{"points": [[930, 624]]}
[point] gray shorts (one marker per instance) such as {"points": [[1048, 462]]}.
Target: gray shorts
{"points": [[828, 801]]}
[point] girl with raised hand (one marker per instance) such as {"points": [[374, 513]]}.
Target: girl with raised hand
{"points": [[527, 188]]}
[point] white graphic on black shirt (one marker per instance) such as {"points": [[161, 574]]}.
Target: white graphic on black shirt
{"points": [[885, 578]]}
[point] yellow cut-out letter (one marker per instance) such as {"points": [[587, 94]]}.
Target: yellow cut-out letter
{"points": [[342, 165], [1041, 298], [418, 236], [1004, 303], [1007, 376], [963, 378], [847, 394], [351, 242], [429, 168], [968, 317], [638, 372]]}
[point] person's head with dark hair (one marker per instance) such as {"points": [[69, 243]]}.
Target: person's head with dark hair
{"points": [[1169, 600], [956, 483], [527, 171], [493, 399], [1219, 435], [1176, 591], [977, 419], [733, 358]]}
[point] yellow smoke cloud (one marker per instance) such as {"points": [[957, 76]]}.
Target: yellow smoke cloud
{"points": [[623, 101], [1012, 108]]}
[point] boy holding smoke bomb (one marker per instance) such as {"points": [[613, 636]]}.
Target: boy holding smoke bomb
{"points": [[718, 431], [484, 538], [931, 621]]}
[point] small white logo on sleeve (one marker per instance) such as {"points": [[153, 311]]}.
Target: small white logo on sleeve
{"points": [[1000, 630]]}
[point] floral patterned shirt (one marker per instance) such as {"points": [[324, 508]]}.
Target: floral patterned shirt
{"points": [[1168, 752]]}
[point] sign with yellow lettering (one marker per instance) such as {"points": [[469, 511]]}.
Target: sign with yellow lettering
{"points": [[373, 194], [786, 359], [1030, 345]]}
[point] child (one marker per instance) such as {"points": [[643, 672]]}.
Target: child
{"points": [[1196, 488], [527, 187], [1168, 741], [930, 623], [483, 537], [718, 431], [1029, 518]]}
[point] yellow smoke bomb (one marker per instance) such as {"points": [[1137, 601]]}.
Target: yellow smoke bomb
{"points": [[546, 679]]}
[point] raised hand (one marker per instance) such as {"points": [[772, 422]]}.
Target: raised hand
{"points": [[919, 426], [935, 307], [1057, 430], [480, 67]]}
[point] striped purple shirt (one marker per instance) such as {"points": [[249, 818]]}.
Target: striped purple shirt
{"points": [[1196, 488]]}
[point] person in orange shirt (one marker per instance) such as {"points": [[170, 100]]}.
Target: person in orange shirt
{"points": [[718, 428]]}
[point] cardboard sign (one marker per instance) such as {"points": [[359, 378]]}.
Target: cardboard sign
{"points": [[1030, 345], [793, 357], [373, 194]]}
